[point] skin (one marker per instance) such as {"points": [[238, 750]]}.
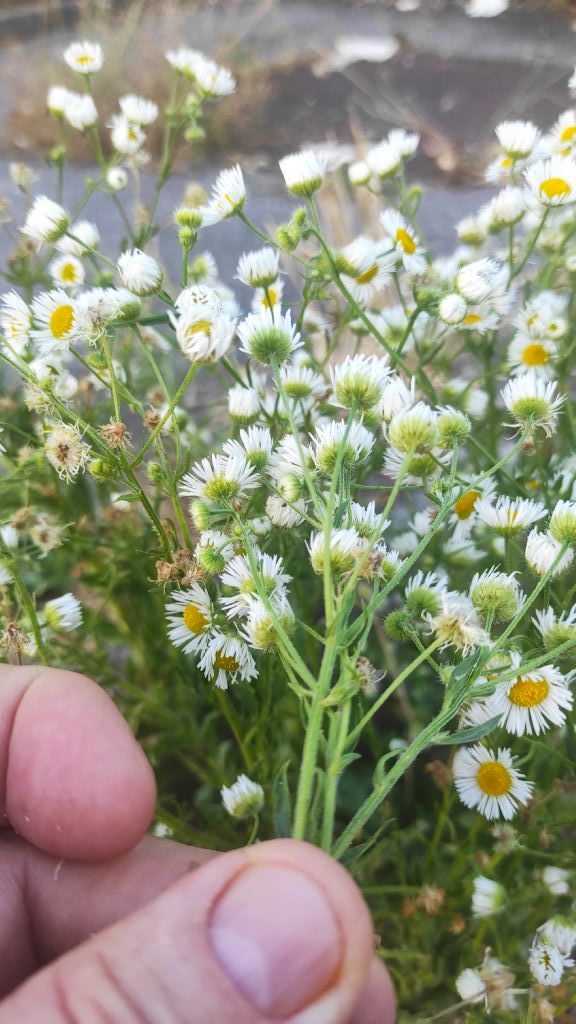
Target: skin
{"points": [[102, 924]]}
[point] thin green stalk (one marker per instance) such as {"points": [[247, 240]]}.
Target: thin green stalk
{"points": [[333, 772], [28, 605], [150, 441], [355, 734]]}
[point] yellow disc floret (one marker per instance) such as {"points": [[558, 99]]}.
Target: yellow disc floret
{"points": [[494, 778], [528, 693]]}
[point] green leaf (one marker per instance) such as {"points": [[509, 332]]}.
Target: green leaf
{"points": [[282, 803], [466, 669], [130, 496], [355, 852], [339, 514], [476, 732]]}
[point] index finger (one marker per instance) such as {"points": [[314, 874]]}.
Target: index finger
{"points": [[73, 780]]}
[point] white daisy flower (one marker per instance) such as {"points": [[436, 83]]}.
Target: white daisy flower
{"points": [[65, 450], [46, 221], [289, 457], [470, 986], [203, 333], [190, 617], [303, 172], [213, 550], [405, 142], [57, 100], [496, 594], [219, 478], [54, 319], [384, 160], [555, 629], [80, 111], [488, 781], [86, 237], [269, 336], [562, 136], [552, 182], [530, 704], [63, 614], [365, 268], [456, 624], [238, 575], [84, 57], [517, 138], [210, 78], [395, 397], [344, 550], [464, 513], [140, 273], [542, 551], [423, 593], [243, 404], [116, 178], [480, 280], [138, 110], [359, 173], [126, 137], [227, 198], [504, 210], [527, 353], [547, 963], [413, 429], [488, 897], [563, 522], [509, 516], [15, 321], [301, 382], [452, 309], [559, 931], [283, 515], [268, 298], [254, 445], [260, 629], [244, 798], [404, 241], [358, 381], [67, 271], [366, 520], [226, 660], [258, 269], [357, 443]]}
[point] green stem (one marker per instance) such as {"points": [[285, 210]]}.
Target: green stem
{"points": [[150, 441]]}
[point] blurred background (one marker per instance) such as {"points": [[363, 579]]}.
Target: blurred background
{"points": [[337, 74]]}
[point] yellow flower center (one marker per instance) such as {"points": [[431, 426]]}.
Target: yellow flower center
{"points": [[194, 619], [528, 693], [69, 273], [368, 275], [568, 133], [555, 188], [535, 355], [506, 162], [227, 662], [61, 321], [493, 778], [533, 485], [270, 298], [84, 60], [200, 327], [464, 507], [406, 241], [472, 318]]}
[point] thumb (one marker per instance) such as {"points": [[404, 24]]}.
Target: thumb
{"points": [[275, 932]]}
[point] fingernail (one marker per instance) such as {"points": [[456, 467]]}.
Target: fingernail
{"points": [[276, 937]]}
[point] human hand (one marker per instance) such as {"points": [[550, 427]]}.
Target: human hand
{"points": [[154, 933]]}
